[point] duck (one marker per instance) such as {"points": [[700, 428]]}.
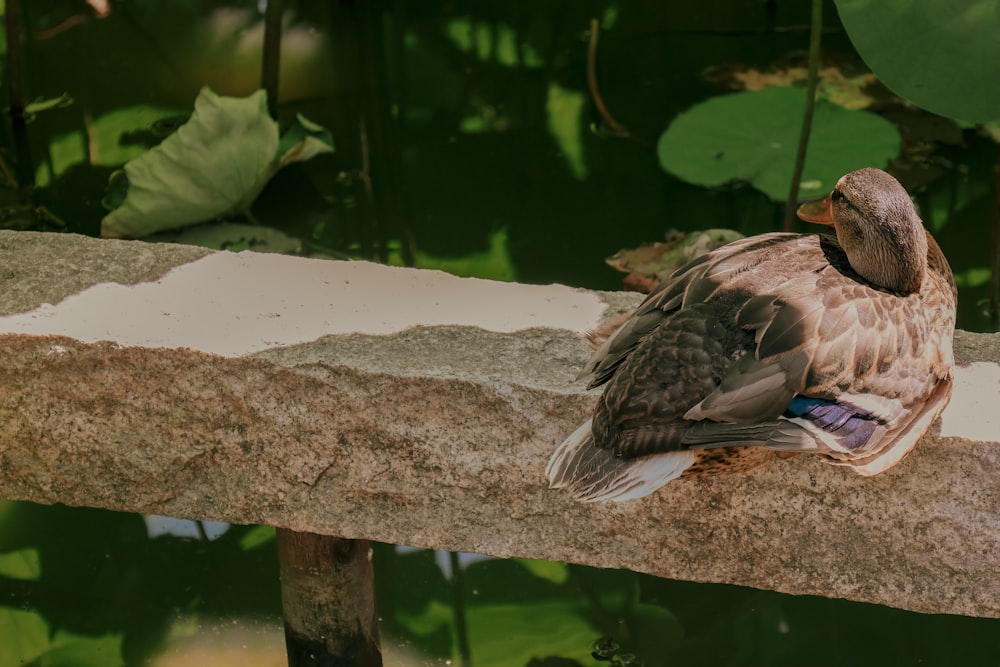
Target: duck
{"points": [[837, 344]]}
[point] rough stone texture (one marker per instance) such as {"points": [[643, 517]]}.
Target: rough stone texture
{"points": [[42, 268], [438, 437]]}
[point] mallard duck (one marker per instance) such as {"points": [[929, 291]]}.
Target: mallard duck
{"points": [[836, 344]]}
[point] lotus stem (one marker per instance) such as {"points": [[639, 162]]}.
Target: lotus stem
{"points": [[271, 57], [617, 129], [994, 307], [807, 116], [14, 23]]}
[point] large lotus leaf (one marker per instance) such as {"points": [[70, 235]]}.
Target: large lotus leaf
{"points": [[754, 136], [215, 164], [943, 56]]}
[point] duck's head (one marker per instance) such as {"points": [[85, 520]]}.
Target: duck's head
{"points": [[878, 228]]}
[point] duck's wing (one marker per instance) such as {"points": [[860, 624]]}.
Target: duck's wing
{"points": [[690, 284], [692, 343]]}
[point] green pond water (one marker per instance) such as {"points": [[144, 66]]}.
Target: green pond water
{"points": [[92, 587], [467, 139]]}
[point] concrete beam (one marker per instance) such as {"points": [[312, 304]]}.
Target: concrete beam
{"points": [[416, 408]]}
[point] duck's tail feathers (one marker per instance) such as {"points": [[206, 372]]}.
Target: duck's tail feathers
{"points": [[594, 474]]}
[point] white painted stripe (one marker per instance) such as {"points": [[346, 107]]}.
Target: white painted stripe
{"points": [[974, 411], [234, 304]]}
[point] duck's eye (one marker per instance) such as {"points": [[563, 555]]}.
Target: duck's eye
{"points": [[837, 195]]}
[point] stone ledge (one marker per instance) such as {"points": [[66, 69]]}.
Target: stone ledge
{"points": [[438, 437]]}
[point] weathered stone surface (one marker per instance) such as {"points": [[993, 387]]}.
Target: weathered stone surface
{"points": [[46, 268], [438, 437]]}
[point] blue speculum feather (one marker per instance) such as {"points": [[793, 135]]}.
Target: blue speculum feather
{"points": [[851, 426]]}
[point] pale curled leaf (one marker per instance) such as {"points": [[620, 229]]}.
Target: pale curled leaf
{"points": [[216, 163]]}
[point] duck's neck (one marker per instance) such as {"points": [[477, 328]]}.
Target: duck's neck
{"points": [[897, 264]]}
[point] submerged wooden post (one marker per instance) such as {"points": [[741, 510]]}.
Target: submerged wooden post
{"points": [[328, 600]]}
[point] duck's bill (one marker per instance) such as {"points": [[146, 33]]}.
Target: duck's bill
{"points": [[816, 211]]}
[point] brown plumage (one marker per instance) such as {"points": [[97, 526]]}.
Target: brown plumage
{"points": [[840, 345]]}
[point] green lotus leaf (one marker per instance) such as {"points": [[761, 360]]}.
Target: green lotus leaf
{"points": [[302, 141], [493, 263], [214, 165], [553, 571], [69, 650], [514, 634], [21, 564], [26, 636], [28, 640], [753, 137], [942, 56]]}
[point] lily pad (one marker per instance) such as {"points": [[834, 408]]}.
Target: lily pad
{"points": [[553, 571], [28, 640], [21, 564], [942, 56], [216, 164], [754, 136], [514, 634]]}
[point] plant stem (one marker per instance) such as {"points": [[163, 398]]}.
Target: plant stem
{"points": [[458, 604], [807, 116], [617, 129], [271, 57], [995, 249], [14, 24], [202, 534]]}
